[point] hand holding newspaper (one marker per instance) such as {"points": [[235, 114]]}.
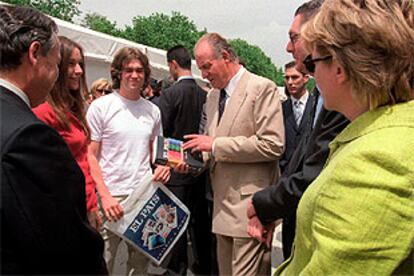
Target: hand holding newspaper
{"points": [[154, 219]]}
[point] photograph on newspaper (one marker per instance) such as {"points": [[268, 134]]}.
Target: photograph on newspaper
{"points": [[154, 219]]}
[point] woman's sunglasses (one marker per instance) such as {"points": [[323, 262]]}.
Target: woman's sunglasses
{"points": [[104, 91], [309, 62]]}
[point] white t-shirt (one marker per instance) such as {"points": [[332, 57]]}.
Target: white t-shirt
{"points": [[125, 130]]}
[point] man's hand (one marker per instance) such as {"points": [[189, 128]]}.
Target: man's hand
{"points": [[94, 219], [251, 211], [162, 174], [198, 143], [182, 168], [260, 232], [111, 208]]}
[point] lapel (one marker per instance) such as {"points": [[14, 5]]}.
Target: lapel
{"points": [[290, 117], [233, 106]]}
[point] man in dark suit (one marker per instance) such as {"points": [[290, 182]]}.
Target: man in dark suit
{"points": [[297, 110], [281, 200], [44, 229], [181, 107]]}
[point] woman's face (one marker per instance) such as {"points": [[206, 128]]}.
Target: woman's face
{"points": [[75, 71], [325, 79]]}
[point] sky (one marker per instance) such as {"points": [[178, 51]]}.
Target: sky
{"points": [[264, 23]]}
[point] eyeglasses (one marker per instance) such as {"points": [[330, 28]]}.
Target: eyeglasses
{"points": [[294, 37], [310, 63]]}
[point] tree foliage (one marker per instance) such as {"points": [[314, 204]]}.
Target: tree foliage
{"points": [[157, 30], [163, 31], [100, 23], [256, 61], [62, 9]]}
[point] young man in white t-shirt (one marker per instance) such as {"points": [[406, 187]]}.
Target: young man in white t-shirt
{"points": [[123, 126]]}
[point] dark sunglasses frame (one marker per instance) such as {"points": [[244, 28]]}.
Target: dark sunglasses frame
{"points": [[309, 62], [104, 91]]}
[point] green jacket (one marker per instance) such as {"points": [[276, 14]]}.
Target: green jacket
{"points": [[357, 217]]}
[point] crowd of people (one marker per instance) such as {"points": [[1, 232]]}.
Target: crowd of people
{"points": [[335, 164]]}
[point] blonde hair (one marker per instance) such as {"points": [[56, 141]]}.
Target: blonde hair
{"points": [[99, 84], [374, 41]]}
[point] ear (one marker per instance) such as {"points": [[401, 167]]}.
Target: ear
{"points": [[175, 64], [225, 55], [34, 52], [340, 74], [306, 78]]}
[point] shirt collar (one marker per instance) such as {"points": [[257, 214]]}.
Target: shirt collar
{"points": [[231, 86], [15, 90], [185, 78], [302, 99], [378, 118]]}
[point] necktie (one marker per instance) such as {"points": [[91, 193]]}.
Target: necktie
{"points": [[297, 112], [222, 103]]}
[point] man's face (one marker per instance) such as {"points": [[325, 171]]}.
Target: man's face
{"points": [[295, 82], [132, 77], [46, 74], [212, 68], [295, 46]]}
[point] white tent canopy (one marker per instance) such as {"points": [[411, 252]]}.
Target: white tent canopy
{"points": [[99, 49]]}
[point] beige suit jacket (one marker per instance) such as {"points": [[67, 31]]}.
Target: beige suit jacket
{"points": [[248, 143]]}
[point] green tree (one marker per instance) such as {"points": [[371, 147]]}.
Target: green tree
{"points": [[101, 23], [163, 31], [256, 61], [310, 85], [63, 9]]}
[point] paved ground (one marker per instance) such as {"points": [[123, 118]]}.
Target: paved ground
{"points": [[277, 255]]}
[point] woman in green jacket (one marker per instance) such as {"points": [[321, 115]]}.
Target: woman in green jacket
{"points": [[357, 217]]}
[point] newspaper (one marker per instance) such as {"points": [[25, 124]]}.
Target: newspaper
{"points": [[154, 219]]}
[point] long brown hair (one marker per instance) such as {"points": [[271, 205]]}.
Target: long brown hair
{"points": [[61, 98]]}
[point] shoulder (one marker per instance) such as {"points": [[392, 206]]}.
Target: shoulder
{"points": [[30, 133], [260, 86], [45, 112], [287, 103], [150, 107], [14, 118], [259, 80], [103, 103]]}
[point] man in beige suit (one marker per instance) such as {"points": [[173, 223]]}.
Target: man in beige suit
{"points": [[244, 139]]}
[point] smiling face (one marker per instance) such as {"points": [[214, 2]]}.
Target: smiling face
{"points": [[212, 68], [75, 69], [132, 78]]}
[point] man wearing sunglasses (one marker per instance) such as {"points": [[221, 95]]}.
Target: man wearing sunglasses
{"points": [[280, 201]]}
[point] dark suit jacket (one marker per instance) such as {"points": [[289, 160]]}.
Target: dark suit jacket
{"points": [[294, 133], [281, 200], [44, 229], [181, 106]]}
